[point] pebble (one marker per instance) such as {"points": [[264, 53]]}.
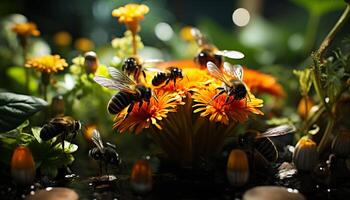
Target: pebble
{"points": [[56, 193], [272, 193]]}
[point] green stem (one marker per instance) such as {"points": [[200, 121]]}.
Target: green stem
{"points": [[27, 72], [327, 133], [134, 44], [331, 35], [310, 35]]}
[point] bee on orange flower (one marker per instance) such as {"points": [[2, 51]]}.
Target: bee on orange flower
{"points": [[130, 92], [235, 87], [134, 67], [209, 52]]}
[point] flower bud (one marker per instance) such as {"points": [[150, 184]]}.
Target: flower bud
{"points": [[141, 177], [305, 156], [90, 62], [22, 166], [237, 168]]}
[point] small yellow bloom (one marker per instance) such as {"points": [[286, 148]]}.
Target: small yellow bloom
{"points": [[130, 15], [84, 44], [47, 64], [62, 38], [26, 29]]}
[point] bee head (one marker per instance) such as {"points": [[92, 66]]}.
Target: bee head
{"points": [[130, 64]]}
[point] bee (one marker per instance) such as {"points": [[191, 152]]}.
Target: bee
{"points": [[133, 66], [209, 52], [129, 92], [63, 126], [90, 62], [107, 154], [261, 142], [234, 87], [171, 74]]}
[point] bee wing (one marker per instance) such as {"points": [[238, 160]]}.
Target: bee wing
{"points": [[152, 69], [111, 145], [278, 131], [112, 84], [96, 139], [120, 77], [216, 72], [234, 70], [152, 61], [230, 54]]}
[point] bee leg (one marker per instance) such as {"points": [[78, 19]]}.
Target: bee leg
{"points": [[144, 74], [175, 83], [131, 106], [218, 94], [140, 105]]}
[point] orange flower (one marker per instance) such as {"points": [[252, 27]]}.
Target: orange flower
{"points": [[131, 15], [26, 29], [219, 111], [148, 114], [257, 81], [48, 63], [192, 79], [264, 83]]}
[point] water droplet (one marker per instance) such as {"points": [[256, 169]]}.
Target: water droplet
{"points": [[328, 190], [32, 192], [48, 188], [32, 187], [23, 196]]}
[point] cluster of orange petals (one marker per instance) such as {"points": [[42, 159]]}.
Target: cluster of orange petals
{"points": [[148, 114], [26, 29], [199, 87], [219, 111], [47, 63]]}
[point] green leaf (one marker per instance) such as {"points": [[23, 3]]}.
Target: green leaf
{"points": [[320, 7], [305, 80], [68, 147], [36, 133], [16, 108]]}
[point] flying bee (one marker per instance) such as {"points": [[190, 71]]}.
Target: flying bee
{"points": [[129, 92], [134, 67], [261, 141], [209, 52], [234, 87], [106, 154], [171, 74], [63, 126]]}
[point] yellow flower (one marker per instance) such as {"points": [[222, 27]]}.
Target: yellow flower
{"points": [[26, 29], [219, 111], [130, 15], [152, 113], [47, 64]]}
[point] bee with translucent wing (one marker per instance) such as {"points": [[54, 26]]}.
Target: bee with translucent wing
{"points": [[105, 154], [134, 67], [129, 92], [234, 87], [208, 52]]}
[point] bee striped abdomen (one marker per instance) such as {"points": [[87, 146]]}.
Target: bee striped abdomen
{"points": [[119, 101], [266, 147], [49, 131], [159, 78]]}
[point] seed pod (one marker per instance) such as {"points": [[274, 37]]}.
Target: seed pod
{"points": [[341, 144], [57, 106], [141, 177], [22, 166], [305, 156], [91, 62], [237, 168]]}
